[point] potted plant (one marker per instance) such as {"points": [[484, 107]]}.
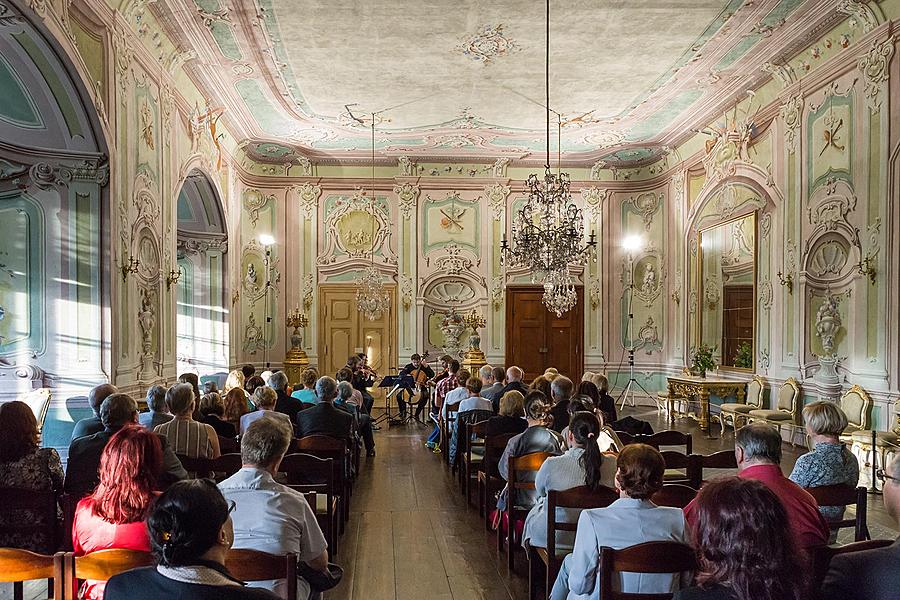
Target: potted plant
{"points": [[744, 357], [703, 360]]}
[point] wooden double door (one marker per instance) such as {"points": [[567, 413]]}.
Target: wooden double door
{"points": [[537, 339], [344, 330]]}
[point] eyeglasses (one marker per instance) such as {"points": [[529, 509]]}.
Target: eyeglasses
{"points": [[880, 474], [231, 506]]}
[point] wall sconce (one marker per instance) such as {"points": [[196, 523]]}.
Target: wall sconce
{"points": [[787, 281], [866, 267], [172, 278], [131, 267]]}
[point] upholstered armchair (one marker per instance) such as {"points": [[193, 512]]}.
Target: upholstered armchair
{"points": [[738, 410], [869, 445], [785, 411], [857, 405]]}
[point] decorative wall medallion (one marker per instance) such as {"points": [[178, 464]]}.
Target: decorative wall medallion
{"points": [[594, 198], [147, 252], [407, 291], [829, 258], [648, 337], [791, 115], [451, 292], [765, 294], [711, 292], [253, 272], [604, 139], [874, 68], [496, 195], [253, 336], [487, 44], [308, 194], [649, 278], [407, 195], [646, 205], [255, 201], [352, 228]]}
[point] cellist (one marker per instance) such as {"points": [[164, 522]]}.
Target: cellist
{"points": [[420, 373]]}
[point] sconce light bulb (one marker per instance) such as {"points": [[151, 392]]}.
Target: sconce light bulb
{"points": [[266, 240], [632, 242]]}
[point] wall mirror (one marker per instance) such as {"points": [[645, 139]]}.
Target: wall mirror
{"points": [[727, 294]]}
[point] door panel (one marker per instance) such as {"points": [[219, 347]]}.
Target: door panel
{"points": [[564, 340]]}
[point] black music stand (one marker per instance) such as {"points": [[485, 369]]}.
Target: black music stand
{"points": [[396, 383]]}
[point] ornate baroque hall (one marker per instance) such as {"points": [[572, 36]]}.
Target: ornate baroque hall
{"points": [[391, 300]]}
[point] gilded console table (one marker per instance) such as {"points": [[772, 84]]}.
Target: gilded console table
{"points": [[687, 386]]}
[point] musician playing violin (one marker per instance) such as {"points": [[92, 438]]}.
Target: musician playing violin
{"points": [[363, 378], [420, 372]]}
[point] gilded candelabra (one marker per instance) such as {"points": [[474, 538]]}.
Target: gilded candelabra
{"points": [[474, 358], [296, 360]]}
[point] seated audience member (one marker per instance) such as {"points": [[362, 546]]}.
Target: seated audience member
{"points": [[511, 417], [265, 375], [607, 404], [538, 437], [235, 407], [830, 463], [494, 391], [250, 386], [457, 394], [346, 374], [83, 465], [630, 520], [194, 382], [871, 574], [209, 387], [234, 380], [472, 409], [607, 440], [363, 421], [447, 384], [248, 371], [159, 410], [415, 368], [757, 447], [24, 465], [473, 399], [582, 464], [92, 424], [587, 388], [562, 389], [113, 516], [264, 397], [744, 547], [542, 385], [284, 404], [514, 377], [551, 373], [190, 531], [307, 393], [324, 418], [287, 524], [212, 410], [185, 435]]}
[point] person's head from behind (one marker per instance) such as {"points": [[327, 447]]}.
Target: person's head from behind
{"points": [[757, 444], [212, 404], [344, 374], [639, 472], [98, 394], [308, 378], [463, 376], [473, 386], [587, 388], [584, 427], [486, 374], [118, 410], [209, 387], [248, 371], [453, 366], [180, 399], [193, 380], [235, 379], [278, 381], [537, 409], [190, 522], [514, 373], [891, 487], [254, 382], [156, 399], [824, 420], [541, 384], [326, 389], [743, 540], [130, 467], [498, 374], [580, 404], [265, 442], [264, 397], [18, 431], [512, 404], [562, 388], [344, 391], [235, 404], [601, 382]]}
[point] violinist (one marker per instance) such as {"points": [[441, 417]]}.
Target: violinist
{"points": [[363, 379], [420, 372]]}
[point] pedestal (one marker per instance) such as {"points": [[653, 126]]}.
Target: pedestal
{"points": [[828, 379], [295, 363], [473, 361]]}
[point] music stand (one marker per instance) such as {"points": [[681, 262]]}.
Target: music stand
{"points": [[396, 383]]}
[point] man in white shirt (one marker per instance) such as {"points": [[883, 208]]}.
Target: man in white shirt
{"points": [[268, 516]]}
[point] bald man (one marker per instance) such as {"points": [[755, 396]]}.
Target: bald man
{"points": [[92, 425], [514, 377]]}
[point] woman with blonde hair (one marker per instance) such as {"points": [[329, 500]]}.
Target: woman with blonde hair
{"points": [[235, 379], [511, 418], [307, 393]]}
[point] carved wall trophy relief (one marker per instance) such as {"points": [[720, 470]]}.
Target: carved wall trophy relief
{"points": [[254, 338], [308, 194], [353, 231]]}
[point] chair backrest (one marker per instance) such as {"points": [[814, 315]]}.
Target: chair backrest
{"points": [[669, 437], [822, 556], [788, 396], [36, 503], [320, 442], [228, 464], [474, 436], [229, 445], [22, 565], [755, 392], [494, 445], [251, 565], [518, 465], [39, 402], [845, 495], [305, 468], [723, 459], [676, 495], [677, 460], [102, 565], [581, 497], [649, 557], [857, 405]]}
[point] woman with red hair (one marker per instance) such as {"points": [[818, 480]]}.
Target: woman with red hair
{"points": [[113, 516]]}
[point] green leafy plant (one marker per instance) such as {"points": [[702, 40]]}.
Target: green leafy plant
{"points": [[744, 357], [703, 359]]}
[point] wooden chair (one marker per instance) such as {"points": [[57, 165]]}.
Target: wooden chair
{"points": [[676, 495], [679, 468], [649, 557], [42, 504], [68, 503], [785, 412], [446, 429], [251, 565], [739, 410], [845, 495], [724, 459], [325, 446], [223, 467], [18, 566], [517, 466], [100, 566], [822, 556], [304, 468], [669, 437], [471, 461], [578, 498], [489, 480]]}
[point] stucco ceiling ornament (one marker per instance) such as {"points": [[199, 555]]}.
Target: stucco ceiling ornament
{"points": [[874, 68], [605, 139], [791, 114], [487, 44], [646, 205], [596, 168], [254, 201], [496, 195], [862, 10], [407, 196], [594, 199]]}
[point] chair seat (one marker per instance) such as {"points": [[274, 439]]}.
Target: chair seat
{"points": [[770, 415], [736, 408], [882, 438]]}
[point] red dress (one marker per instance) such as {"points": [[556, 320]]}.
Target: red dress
{"points": [[91, 533]]}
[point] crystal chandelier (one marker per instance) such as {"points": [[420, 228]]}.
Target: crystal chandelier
{"points": [[548, 231], [371, 297]]}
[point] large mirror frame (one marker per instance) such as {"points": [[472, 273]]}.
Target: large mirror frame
{"points": [[714, 298]]}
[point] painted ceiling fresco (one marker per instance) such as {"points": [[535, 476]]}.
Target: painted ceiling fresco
{"points": [[465, 79]]}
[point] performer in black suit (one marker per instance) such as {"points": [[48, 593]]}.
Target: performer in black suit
{"points": [[415, 367]]}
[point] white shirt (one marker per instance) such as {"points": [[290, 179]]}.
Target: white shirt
{"points": [[248, 418], [273, 518], [475, 403], [454, 396]]}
